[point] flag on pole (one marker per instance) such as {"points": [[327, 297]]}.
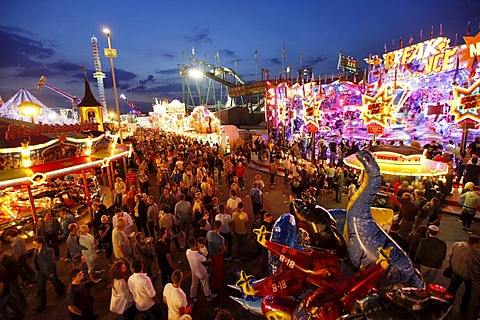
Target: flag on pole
{"points": [[385, 47], [301, 58], [283, 52], [431, 32], [468, 28], [400, 43], [441, 30], [255, 54], [193, 51], [421, 35], [456, 39], [410, 40]]}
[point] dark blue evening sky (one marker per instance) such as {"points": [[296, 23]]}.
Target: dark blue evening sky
{"points": [[52, 38]]}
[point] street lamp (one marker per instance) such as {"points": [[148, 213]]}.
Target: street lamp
{"points": [[112, 53], [29, 109]]}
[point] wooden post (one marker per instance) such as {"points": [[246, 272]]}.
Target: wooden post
{"points": [[87, 194], [32, 204], [110, 177]]}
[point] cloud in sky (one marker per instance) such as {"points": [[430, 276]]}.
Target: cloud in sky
{"points": [[167, 71], [199, 35], [313, 61]]}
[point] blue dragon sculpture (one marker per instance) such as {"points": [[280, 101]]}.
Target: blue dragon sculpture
{"points": [[365, 236]]}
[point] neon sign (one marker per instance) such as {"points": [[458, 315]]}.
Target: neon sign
{"points": [[435, 54], [466, 103], [378, 109]]}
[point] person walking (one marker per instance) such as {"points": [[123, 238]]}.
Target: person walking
{"points": [[471, 200], [120, 190], [216, 248], [143, 293], [65, 220], [175, 298], [408, 212], [460, 258], [225, 230], [73, 244], [338, 182], [183, 213], [164, 256], [143, 250], [430, 255], [119, 213], [20, 255], [240, 229], [105, 238], [88, 243], [272, 169], [121, 244], [46, 270], [240, 171], [199, 272], [79, 299], [256, 195], [140, 214], [119, 278], [152, 214], [49, 228]]}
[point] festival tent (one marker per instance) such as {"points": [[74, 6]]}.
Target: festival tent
{"points": [[10, 109]]}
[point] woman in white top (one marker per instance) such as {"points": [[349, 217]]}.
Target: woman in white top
{"points": [[119, 276]]}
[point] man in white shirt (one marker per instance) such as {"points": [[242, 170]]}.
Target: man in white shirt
{"points": [[232, 202], [128, 219], [175, 298], [143, 293], [199, 272], [225, 229]]}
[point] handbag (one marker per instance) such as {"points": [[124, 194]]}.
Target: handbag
{"points": [[118, 302], [447, 273]]}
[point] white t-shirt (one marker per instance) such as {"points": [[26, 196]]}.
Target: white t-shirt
{"points": [[232, 204], [195, 259], [226, 220], [176, 299], [142, 291]]}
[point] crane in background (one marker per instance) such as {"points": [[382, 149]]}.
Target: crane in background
{"points": [[63, 112], [99, 75]]}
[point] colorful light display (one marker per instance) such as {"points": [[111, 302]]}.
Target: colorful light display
{"points": [[466, 103], [378, 109]]}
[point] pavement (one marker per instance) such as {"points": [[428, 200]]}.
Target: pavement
{"points": [[276, 202]]}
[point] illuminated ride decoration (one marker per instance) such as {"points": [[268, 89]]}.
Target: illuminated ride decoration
{"points": [[312, 282], [466, 103], [401, 160], [378, 109]]}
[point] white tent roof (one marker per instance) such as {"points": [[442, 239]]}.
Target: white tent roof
{"points": [[10, 109]]}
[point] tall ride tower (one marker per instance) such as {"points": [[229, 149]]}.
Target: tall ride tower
{"points": [[99, 75]]}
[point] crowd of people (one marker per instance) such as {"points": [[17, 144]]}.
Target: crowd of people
{"points": [[143, 232]]}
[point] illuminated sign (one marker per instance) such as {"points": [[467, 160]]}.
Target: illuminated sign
{"points": [[347, 63], [378, 109], [473, 47], [375, 129], [434, 54], [466, 103]]}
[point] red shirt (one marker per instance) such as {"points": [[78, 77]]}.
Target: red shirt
{"points": [[240, 171], [131, 178]]}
